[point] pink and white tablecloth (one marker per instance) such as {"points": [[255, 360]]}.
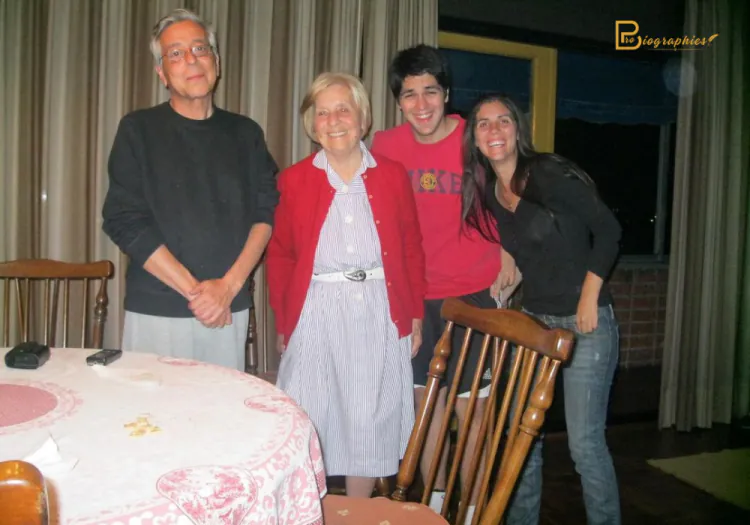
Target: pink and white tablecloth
{"points": [[161, 440]]}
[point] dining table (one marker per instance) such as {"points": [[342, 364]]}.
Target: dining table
{"points": [[149, 440]]}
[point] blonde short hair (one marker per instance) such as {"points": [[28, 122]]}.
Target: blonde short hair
{"points": [[323, 82]]}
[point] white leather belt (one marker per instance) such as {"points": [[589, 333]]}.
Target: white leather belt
{"points": [[351, 275]]}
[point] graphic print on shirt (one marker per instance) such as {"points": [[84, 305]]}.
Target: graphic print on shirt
{"points": [[435, 181]]}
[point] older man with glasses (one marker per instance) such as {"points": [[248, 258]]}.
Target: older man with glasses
{"points": [[191, 201]]}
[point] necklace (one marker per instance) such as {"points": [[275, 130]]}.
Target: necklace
{"points": [[506, 198]]}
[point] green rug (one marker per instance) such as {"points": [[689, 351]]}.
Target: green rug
{"points": [[725, 475]]}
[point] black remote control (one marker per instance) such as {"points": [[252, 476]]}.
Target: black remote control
{"points": [[103, 357]]}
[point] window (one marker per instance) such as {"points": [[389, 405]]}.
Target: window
{"points": [[615, 117], [624, 162]]}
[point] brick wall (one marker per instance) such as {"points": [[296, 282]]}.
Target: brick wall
{"points": [[640, 306]]}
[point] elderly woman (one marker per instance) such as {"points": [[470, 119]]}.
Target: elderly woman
{"points": [[346, 281]]}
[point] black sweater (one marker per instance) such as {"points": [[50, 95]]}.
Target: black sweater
{"points": [[560, 231], [195, 186]]}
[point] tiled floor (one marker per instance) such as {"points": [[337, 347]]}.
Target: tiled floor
{"points": [[648, 496]]}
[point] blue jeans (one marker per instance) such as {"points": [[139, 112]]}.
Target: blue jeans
{"points": [[587, 380]]}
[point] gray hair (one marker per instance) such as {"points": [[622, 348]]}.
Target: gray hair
{"points": [[180, 15]]}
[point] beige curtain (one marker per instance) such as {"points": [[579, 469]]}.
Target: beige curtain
{"points": [[21, 107], [72, 69], [392, 25], [709, 210]]}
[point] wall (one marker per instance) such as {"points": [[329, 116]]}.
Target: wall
{"points": [[585, 19], [640, 306]]}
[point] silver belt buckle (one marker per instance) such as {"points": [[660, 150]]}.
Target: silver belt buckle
{"points": [[356, 275]]}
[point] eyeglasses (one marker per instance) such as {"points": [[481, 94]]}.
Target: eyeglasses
{"points": [[199, 50]]}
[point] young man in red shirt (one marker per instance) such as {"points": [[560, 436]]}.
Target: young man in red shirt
{"points": [[459, 263]]}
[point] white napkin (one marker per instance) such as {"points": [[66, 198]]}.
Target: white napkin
{"points": [[48, 460], [130, 376]]}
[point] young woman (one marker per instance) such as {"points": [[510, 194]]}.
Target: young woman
{"points": [[565, 241]]}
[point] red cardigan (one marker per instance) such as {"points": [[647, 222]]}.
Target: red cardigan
{"points": [[306, 197]]}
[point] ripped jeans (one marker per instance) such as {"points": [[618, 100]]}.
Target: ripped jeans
{"points": [[586, 380]]}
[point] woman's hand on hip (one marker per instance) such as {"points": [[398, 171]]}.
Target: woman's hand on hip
{"points": [[416, 336], [280, 346], [587, 315]]}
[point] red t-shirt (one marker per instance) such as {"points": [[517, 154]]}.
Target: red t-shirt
{"points": [[458, 261]]}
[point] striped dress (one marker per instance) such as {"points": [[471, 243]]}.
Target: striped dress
{"points": [[345, 364]]}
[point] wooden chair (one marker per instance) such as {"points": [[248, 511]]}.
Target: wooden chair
{"points": [[22, 274], [23, 495], [513, 424], [251, 343]]}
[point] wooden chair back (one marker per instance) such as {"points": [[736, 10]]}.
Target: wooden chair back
{"points": [[251, 343], [23, 275], [23, 495], [508, 429]]}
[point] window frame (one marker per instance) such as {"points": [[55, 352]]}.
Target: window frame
{"points": [[543, 78]]}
